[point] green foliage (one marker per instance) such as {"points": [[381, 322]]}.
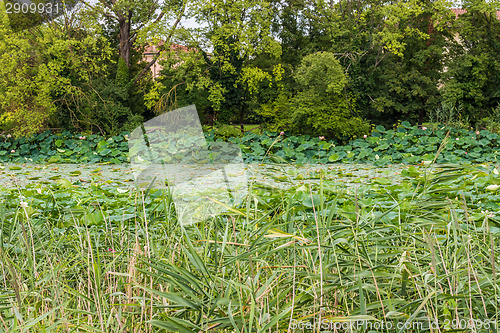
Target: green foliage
{"points": [[330, 117], [492, 122], [392, 52], [406, 144], [65, 148], [225, 132], [403, 84], [473, 74], [390, 248], [276, 113], [107, 103], [421, 209], [239, 32], [63, 82], [122, 73], [37, 70], [103, 108], [253, 61], [450, 116], [177, 85], [320, 106], [443, 114], [321, 72], [66, 207]]}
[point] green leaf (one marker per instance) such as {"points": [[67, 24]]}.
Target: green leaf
{"points": [[382, 181], [333, 158], [54, 159], [64, 183]]}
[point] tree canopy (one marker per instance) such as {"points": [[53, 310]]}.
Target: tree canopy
{"points": [[327, 68]]}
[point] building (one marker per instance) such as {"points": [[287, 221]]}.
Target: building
{"points": [[460, 11], [152, 50]]}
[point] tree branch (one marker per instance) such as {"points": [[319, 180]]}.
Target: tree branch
{"points": [[160, 16], [103, 12], [161, 48], [134, 35]]}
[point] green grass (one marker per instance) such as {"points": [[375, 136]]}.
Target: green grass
{"points": [[321, 252]]}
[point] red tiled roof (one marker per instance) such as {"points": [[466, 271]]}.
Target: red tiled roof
{"points": [[154, 48], [459, 11], [151, 50]]}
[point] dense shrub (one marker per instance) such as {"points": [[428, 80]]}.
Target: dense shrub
{"points": [[320, 106], [225, 132]]}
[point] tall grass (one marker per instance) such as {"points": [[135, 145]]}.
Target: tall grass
{"points": [[299, 259]]}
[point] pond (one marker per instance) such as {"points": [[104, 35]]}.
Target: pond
{"points": [[280, 175]]}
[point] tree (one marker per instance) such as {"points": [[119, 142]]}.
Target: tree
{"points": [[36, 71], [391, 51], [176, 86], [473, 75], [320, 106], [407, 85], [138, 22], [237, 32]]}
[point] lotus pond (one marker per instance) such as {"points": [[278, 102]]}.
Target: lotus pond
{"points": [[83, 250], [405, 144]]}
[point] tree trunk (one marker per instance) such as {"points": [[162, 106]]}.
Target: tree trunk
{"points": [[124, 37], [242, 114], [421, 114]]}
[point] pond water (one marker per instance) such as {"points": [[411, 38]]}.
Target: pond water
{"points": [[278, 175]]}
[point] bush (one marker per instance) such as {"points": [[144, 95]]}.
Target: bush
{"points": [[225, 132], [320, 108], [492, 122]]}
